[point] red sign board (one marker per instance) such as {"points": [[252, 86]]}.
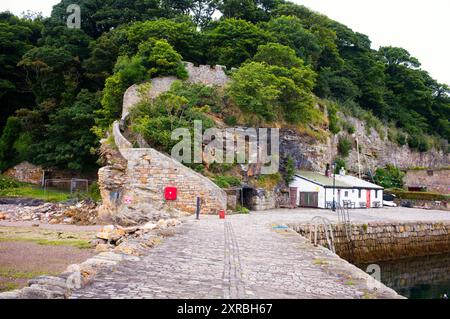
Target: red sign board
{"points": [[170, 193]]}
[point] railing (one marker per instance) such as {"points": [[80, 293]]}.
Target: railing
{"points": [[344, 219], [328, 230]]}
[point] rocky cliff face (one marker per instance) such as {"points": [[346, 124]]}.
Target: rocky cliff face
{"points": [[375, 151]]}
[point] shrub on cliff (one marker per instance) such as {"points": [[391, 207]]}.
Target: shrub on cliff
{"points": [[156, 119], [344, 147], [225, 181], [389, 177]]}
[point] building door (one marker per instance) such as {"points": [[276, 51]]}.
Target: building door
{"points": [[293, 196], [309, 200], [368, 198]]}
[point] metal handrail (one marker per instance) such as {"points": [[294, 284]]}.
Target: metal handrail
{"points": [[328, 229]]}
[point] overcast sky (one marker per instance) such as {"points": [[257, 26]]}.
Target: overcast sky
{"points": [[420, 26]]}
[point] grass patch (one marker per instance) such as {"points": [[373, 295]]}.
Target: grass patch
{"points": [[35, 193], [77, 243], [268, 182], [350, 283], [225, 181], [320, 262], [8, 286], [13, 274]]}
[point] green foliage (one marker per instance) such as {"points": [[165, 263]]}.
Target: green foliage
{"points": [[27, 191], [52, 72], [276, 86], [289, 31], [389, 177], [230, 120], [181, 35], [94, 192], [349, 127], [69, 123], [242, 210], [340, 163], [344, 146], [284, 51], [418, 141], [254, 90], [233, 41], [250, 10], [17, 36], [268, 181], [11, 132], [333, 118], [154, 58], [156, 119], [100, 17], [8, 183], [289, 170], [427, 196], [160, 59], [224, 181]]}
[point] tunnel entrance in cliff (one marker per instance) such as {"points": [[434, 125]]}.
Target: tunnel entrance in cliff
{"points": [[247, 194]]}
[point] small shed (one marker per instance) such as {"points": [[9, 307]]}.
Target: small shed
{"points": [[316, 190]]}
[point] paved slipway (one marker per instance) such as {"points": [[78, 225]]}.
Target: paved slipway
{"points": [[246, 256]]}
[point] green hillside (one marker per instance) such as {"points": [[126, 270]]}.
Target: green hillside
{"points": [[61, 88]]}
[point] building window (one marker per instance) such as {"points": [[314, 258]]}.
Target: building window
{"points": [[376, 194], [359, 193], [346, 194]]}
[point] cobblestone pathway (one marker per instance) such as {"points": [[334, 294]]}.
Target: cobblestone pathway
{"points": [[243, 256]]}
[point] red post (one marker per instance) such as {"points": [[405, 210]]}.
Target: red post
{"points": [[222, 214]]}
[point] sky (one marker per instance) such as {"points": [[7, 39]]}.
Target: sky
{"points": [[419, 26]]}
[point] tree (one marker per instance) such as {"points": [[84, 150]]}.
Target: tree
{"points": [[389, 177], [202, 11], [51, 72], [295, 81], [68, 140], [17, 36], [12, 130], [275, 86], [289, 31], [289, 170], [255, 91], [398, 56], [98, 17], [154, 58], [250, 10], [233, 41], [182, 35]]}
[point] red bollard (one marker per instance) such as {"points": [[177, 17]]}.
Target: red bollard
{"points": [[222, 214]]}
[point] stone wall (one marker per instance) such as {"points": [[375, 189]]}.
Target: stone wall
{"points": [[206, 74], [133, 184], [203, 74], [375, 242], [434, 180], [26, 172], [262, 199], [411, 272]]}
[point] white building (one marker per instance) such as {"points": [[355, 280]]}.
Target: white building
{"points": [[313, 189]]}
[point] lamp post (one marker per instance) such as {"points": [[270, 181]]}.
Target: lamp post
{"points": [[333, 206]]}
